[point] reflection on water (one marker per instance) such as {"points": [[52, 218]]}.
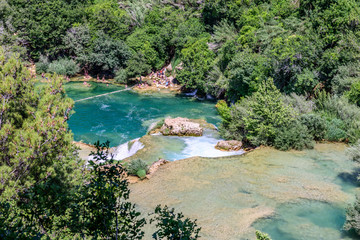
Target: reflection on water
{"points": [[124, 116], [298, 196]]}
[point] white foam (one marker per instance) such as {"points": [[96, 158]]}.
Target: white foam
{"points": [[124, 151]]}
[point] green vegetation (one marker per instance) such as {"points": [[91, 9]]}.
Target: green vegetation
{"points": [[262, 236], [287, 73], [173, 226], [138, 168], [46, 191]]}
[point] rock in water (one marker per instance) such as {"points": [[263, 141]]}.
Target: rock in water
{"points": [[181, 127], [231, 145]]}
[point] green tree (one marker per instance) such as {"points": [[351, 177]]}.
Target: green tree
{"points": [[42, 24], [100, 209], [173, 226], [197, 61], [35, 141], [267, 113]]}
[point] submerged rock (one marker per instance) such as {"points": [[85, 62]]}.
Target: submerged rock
{"points": [[181, 127], [231, 145]]}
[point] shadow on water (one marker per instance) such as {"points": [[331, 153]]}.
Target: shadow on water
{"points": [[349, 180]]}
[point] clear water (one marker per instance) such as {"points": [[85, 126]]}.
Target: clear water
{"points": [[124, 116], [290, 195]]}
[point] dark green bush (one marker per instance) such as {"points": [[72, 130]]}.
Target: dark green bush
{"points": [[335, 130], [293, 136], [316, 125], [121, 76]]}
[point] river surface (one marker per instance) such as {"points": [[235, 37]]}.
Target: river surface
{"points": [[290, 195], [123, 116]]}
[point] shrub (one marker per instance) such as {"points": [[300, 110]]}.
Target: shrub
{"points": [[299, 103], [137, 168], [267, 113], [354, 151], [353, 217], [121, 76], [335, 130], [42, 65], [141, 173], [172, 225], [261, 236], [354, 94], [316, 125], [66, 67], [294, 136]]}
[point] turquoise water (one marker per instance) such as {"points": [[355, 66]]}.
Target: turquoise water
{"points": [[127, 115]]}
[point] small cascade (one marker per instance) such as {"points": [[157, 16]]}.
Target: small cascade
{"points": [[192, 94], [127, 149]]}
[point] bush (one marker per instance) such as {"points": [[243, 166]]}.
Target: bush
{"points": [[335, 130], [316, 125], [353, 217], [173, 226], [137, 168], [65, 67], [294, 136], [354, 152], [261, 236], [354, 94], [121, 76], [42, 65], [299, 103]]}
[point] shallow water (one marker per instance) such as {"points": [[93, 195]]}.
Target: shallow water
{"points": [[298, 197], [124, 116]]}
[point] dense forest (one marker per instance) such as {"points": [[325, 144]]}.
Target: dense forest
{"points": [[286, 74]]}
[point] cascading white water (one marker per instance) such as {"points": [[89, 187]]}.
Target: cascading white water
{"points": [[127, 149]]}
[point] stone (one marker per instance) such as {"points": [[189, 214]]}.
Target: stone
{"points": [[181, 127], [231, 145], [155, 166]]}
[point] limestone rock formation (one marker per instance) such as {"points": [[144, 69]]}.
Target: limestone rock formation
{"points": [[231, 145], [181, 127], [155, 166]]}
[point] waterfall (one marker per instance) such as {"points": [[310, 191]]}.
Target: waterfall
{"points": [[127, 149], [192, 94]]}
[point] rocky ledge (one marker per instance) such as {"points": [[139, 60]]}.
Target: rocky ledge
{"points": [[231, 145], [181, 127]]}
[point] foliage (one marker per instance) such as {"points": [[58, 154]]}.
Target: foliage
{"points": [[246, 72], [354, 94], [354, 151], [315, 124], [293, 136], [65, 67], [172, 225], [353, 217], [42, 24], [121, 76], [267, 112], [101, 209], [261, 236], [34, 136], [137, 166], [335, 130], [197, 59]]}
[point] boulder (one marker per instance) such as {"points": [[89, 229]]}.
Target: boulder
{"points": [[155, 166], [181, 127], [231, 145]]}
